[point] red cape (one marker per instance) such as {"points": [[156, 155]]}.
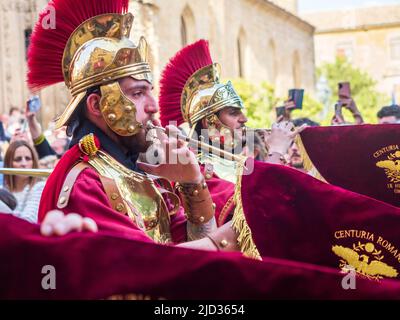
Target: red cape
{"points": [[89, 199], [55, 181], [358, 158], [296, 217], [97, 266]]}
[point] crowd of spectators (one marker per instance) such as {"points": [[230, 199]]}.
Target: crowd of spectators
{"points": [[24, 145]]}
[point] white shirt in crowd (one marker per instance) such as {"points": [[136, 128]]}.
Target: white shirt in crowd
{"points": [[28, 202]]}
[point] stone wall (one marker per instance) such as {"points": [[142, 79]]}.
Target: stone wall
{"points": [[275, 45], [17, 18], [289, 5], [369, 37]]}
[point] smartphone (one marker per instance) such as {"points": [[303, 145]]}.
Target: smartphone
{"points": [[34, 104], [280, 111], [297, 95], [24, 125], [344, 90]]}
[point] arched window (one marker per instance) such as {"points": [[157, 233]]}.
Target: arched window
{"points": [[183, 32], [188, 26], [28, 33], [271, 62], [296, 70], [241, 53]]}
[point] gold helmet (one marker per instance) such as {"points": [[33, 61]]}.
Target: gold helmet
{"points": [[203, 94], [191, 82], [97, 52], [190, 91]]}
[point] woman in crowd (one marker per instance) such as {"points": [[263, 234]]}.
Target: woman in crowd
{"points": [[27, 190]]}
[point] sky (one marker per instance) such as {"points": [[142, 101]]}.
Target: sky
{"points": [[317, 5]]}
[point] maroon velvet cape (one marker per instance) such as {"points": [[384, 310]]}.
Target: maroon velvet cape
{"points": [[89, 199], [357, 158], [296, 217], [103, 264], [296, 221]]}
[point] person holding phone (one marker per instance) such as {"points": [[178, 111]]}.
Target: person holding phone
{"points": [[346, 101], [294, 101], [40, 142]]}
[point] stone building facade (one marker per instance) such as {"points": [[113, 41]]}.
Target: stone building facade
{"points": [[369, 37], [288, 5], [254, 39]]}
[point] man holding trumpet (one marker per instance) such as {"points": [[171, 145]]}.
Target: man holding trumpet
{"points": [[99, 177], [191, 93]]}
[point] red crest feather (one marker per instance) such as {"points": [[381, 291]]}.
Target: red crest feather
{"points": [[174, 76], [47, 45]]}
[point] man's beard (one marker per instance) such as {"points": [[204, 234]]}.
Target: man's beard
{"points": [[136, 143], [298, 165], [235, 140], [298, 161]]}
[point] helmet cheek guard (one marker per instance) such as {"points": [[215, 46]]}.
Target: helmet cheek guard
{"points": [[118, 111]]}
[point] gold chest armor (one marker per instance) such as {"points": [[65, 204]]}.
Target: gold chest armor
{"points": [[224, 168], [143, 201]]}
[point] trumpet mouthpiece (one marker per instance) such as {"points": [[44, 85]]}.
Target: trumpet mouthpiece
{"points": [[150, 125]]}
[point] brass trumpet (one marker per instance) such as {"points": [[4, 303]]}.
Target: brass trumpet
{"points": [[42, 173], [201, 145]]}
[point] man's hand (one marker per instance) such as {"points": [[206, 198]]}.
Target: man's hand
{"points": [[179, 164], [349, 104], [34, 125], [57, 224], [337, 120], [19, 135], [289, 106], [282, 136]]}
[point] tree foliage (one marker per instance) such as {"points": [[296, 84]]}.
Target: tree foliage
{"points": [[363, 87], [260, 99]]}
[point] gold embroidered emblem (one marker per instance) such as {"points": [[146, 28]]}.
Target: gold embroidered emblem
{"points": [[366, 259], [391, 165]]}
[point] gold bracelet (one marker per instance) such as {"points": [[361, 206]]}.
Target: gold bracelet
{"points": [[197, 202], [191, 189]]}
